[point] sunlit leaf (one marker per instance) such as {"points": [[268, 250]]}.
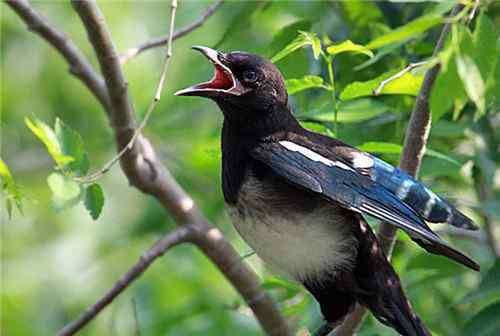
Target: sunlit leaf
{"points": [[409, 30], [392, 148], [472, 81], [47, 136], [9, 187], [349, 46], [303, 39], [94, 200], [355, 111], [408, 84], [65, 191], [307, 82], [381, 53], [71, 145]]}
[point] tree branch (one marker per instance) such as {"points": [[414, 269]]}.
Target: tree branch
{"points": [[144, 171], [178, 236], [411, 158], [162, 40], [78, 64]]}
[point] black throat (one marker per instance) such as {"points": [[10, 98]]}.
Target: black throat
{"points": [[241, 131]]}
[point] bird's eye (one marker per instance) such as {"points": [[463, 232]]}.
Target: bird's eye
{"points": [[249, 76]]}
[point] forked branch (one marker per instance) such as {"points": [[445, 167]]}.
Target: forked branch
{"points": [[162, 40]]}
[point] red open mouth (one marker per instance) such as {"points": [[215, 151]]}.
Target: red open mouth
{"points": [[222, 80], [223, 83]]}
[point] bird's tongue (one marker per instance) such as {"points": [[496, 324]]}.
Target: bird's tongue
{"points": [[221, 80]]}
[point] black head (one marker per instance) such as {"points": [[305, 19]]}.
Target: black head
{"points": [[244, 85]]}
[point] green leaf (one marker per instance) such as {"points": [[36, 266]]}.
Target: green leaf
{"points": [[65, 191], [484, 323], [446, 91], [409, 30], [356, 110], [349, 46], [489, 287], [392, 148], [10, 189], [47, 136], [472, 81], [381, 147], [307, 82], [304, 39], [287, 34], [71, 145], [439, 265], [408, 84], [94, 200], [381, 53], [485, 40]]}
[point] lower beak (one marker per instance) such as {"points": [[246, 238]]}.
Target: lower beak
{"points": [[223, 82]]}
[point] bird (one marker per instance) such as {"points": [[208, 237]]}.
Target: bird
{"points": [[298, 198]]}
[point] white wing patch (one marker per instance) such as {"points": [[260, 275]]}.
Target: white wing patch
{"points": [[311, 155], [362, 161]]}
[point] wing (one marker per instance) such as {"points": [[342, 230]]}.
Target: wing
{"points": [[342, 183], [422, 200]]}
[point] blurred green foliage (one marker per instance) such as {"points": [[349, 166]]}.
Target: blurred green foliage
{"points": [[54, 264]]}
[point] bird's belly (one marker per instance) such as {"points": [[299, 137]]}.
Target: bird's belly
{"points": [[303, 244]]}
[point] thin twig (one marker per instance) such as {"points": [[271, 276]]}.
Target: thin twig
{"points": [[179, 236], [154, 102], [397, 75], [137, 326], [450, 231], [159, 41], [78, 64], [473, 11], [411, 158]]}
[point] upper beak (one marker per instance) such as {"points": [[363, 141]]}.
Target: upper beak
{"points": [[222, 83]]}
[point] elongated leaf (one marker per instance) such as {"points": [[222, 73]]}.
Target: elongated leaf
{"points": [[411, 29], [287, 34], [94, 200], [447, 89], [441, 267], [65, 192], [307, 82], [489, 287], [484, 323], [472, 81], [381, 147], [304, 39], [71, 145], [355, 111], [349, 46], [485, 46], [408, 84], [381, 53], [45, 134], [392, 148], [10, 189]]}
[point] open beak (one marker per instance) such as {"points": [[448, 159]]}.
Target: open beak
{"points": [[222, 83]]}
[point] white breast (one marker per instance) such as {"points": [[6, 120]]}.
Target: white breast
{"points": [[305, 246]]}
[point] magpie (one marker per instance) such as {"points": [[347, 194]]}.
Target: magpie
{"points": [[298, 197]]}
